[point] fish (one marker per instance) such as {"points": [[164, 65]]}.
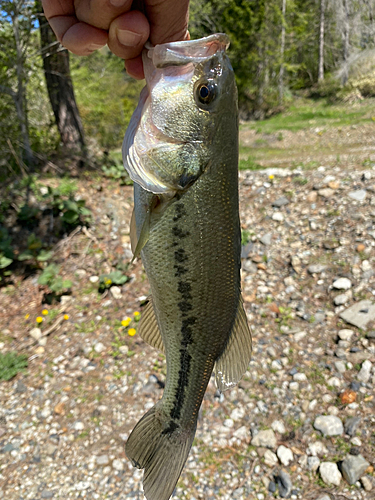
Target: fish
{"points": [[181, 151]]}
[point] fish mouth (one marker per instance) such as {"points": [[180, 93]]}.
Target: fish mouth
{"points": [[187, 51]]}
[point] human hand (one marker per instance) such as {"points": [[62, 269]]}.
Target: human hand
{"points": [[83, 26]]}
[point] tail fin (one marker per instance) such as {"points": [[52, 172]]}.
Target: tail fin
{"points": [[161, 449]]}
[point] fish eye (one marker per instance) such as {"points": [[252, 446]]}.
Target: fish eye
{"points": [[206, 92]]}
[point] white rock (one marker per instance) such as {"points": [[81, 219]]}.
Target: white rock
{"points": [[342, 284], [358, 195], [329, 425], [278, 216], [313, 463], [270, 458], [317, 449], [365, 371], [294, 386], [278, 426], [79, 426], [99, 347], [330, 473], [94, 279], [241, 433], [118, 464], [265, 438], [342, 299], [299, 377], [366, 266], [299, 336], [346, 334], [237, 414], [285, 455], [36, 333], [228, 422], [116, 292]]}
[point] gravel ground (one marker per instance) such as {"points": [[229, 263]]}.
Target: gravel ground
{"points": [[301, 423]]}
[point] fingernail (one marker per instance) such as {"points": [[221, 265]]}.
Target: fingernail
{"points": [[128, 38], [119, 3], [94, 46]]}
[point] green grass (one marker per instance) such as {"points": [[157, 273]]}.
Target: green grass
{"points": [[307, 113], [10, 364]]}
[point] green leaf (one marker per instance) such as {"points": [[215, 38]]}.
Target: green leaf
{"points": [[70, 217], [44, 255], [4, 261], [26, 255], [10, 364], [67, 284]]}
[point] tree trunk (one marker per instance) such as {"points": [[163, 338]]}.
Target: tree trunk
{"points": [[60, 87], [282, 50], [321, 42], [20, 95], [345, 75]]}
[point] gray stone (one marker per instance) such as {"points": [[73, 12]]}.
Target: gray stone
{"points": [[285, 455], [346, 334], [278, 426], [359, 314], [329, 425], [265, 438], [21, 387], [249, 267], [351, 425], [316, 268], [330, 473], [353, 467], [99, 347], [342, 299], [313, 463], [284, 483], [358, 195], [365, 371], [266, 239], [118, 464], [342, 284], [102, 460], [280, 202], [47, 494], [340, 366]]}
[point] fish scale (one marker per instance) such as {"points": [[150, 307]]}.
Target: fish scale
{"points": [[190, 241]]}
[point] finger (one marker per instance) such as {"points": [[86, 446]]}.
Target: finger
{"points": [[134, 68], [53, 8], [168, 20], [128, 33], [80, 38], [101, 13]]}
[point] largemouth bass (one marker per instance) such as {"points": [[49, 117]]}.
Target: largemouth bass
{"points": [[181, 150]]}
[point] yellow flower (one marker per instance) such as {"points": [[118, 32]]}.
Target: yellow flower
{"points": [[271, 177], [125, 322], [137, 313], [27, 316], [39, 319], [132, 332], [45, 312], [108, 281], [66, 317]]}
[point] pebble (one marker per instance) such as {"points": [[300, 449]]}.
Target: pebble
{"points": [[94, 279], [79, 426], [358, 195], [317, 448], [359, 314], [285, 455], [118, 465], [284, 483], [278, 217], [330, 473], [99, 347], [324, 497], [316, 268], [366, 483], [346, 334], [265, 438], [278, 426], [102, 460], [351, 425], [36, 333], [353, 467], [365, 371], [266, 239], [270, 458], [342, 284], [329, 425], [340, 366], [342, 299], [313, 463], [116, 292], [326, 193], [280, 202]]}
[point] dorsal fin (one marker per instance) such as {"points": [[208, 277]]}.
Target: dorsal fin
{"points": [[233, 363]]}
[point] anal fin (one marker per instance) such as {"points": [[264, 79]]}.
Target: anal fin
{"points": [[233, 363], [149, 328]]}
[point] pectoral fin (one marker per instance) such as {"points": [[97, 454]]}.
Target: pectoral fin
{"points": [[232, 364], [149, 328], [138, 243]]}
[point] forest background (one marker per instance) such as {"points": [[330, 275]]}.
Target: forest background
{"points": [[280, 49]]}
